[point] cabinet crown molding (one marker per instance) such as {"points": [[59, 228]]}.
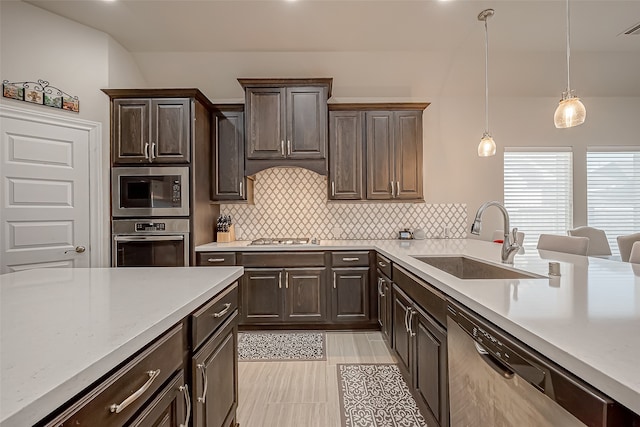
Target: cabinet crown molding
{"points": [[270, 82]]}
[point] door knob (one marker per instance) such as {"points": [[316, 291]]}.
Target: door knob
{"points": [[78, 249]]}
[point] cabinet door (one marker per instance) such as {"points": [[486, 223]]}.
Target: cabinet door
{"points": [[215, 378], [430, 368], [262, 295], [229, 182], [168, 408], [130, 131], [345, 155], [265, 116], [305, 299], [380, 155], [306, 122], [170, 130], [384, 307], [408, 154], [351, 294], [401, 341]]}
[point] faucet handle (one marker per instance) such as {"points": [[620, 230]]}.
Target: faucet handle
{"points": [[514, 237]]}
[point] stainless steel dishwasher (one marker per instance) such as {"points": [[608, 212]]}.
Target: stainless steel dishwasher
{"points": [[494, 380]]}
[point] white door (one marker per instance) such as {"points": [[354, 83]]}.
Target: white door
{"points": [[45, 215]]}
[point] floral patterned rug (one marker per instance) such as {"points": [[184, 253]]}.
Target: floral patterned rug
{"points": [[376, 396], [279, 346]]}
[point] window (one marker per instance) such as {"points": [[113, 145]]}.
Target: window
{"points": [[613, 192], [538, 191]]}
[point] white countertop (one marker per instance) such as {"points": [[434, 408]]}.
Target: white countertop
{"points": [[587, 320], [62, 329]]}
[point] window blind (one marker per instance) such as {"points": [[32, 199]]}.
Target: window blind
{"points": [[538, 192], [613, 193]]}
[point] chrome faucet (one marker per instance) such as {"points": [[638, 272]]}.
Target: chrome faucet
{"points": [[509, 244]]}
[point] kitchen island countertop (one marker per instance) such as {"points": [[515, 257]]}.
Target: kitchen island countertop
{"points": [[63, 329], [587, 320]]}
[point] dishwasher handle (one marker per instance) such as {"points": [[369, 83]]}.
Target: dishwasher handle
{"points": [[494, 363]]}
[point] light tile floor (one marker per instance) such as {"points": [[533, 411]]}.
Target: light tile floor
{"points": [[304, 394]]}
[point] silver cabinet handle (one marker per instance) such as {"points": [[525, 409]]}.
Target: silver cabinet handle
{"points": [[334, 280], [288, 146], [187, 400], [350, 259], [411, 313], [146, 150], [221, 313], [333, 188], [78, 249], [241, 188], [286, 280], [280, 280], [393, 192], [115, 408], [203, 370], [398, 188], [215, 259], [154, 150], [282, 147], [380, 283], [382, 264], [406, 319]]}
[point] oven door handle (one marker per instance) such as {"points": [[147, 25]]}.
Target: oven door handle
{"points": [[147, 238]]}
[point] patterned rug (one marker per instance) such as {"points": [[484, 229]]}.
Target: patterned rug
{"points": [[376, 396], [279, 346]]}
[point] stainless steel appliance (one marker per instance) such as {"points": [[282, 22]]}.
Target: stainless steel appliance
{"points": [[149, 191], [150, 242], [495, 380], [285, 241]]}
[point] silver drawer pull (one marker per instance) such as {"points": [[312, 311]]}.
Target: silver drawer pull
{"points": [[129, 400], [215, 260], [382, 264], [226, 308], [203, 369], [351, 259], [187, 399]]}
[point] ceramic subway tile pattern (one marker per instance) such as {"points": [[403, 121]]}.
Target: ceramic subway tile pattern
{"points": [[292, 202]]}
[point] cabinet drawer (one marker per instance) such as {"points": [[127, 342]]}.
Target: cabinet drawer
{"points": [[207, 319], [144, 375], [283, 259], [425, 295], [384, 265], [216, 258], [349, 259]]}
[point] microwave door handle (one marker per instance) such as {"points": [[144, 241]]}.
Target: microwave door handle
{"points": [[147, 238]]}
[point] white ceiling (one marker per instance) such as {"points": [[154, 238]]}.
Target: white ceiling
{"points": [[437, 28]]}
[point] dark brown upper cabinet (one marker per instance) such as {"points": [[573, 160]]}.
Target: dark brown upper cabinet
{"points": [[346, 149], [228, 177], [389, 137], [286, 123], [155, 125]]}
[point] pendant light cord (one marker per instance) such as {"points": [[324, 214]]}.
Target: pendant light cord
{"points": [[486, 77], [568, 50]]}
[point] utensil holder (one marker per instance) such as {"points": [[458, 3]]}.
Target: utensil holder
{"points": [[227, 236]]}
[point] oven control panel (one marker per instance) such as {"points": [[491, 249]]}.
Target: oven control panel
{"points": [[150, 226], [176, 198]]}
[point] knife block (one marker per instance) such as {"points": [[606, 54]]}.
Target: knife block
{"points": [[227, 236]]}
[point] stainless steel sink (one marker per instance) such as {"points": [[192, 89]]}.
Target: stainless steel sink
{"points": [[469, 269]]}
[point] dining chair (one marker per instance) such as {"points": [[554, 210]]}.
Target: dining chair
{"points": [[598, 242], [566, 244], [634, 258], [625, 243]]}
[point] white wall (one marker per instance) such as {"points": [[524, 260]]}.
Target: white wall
{"points": [[79, 60]]}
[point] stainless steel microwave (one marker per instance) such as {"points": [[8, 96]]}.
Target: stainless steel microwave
{"points": [[150, 191]]}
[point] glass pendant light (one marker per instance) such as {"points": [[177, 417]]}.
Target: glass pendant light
{"points": [[487, 146], [570, 111]]}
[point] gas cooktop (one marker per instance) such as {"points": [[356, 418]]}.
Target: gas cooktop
{"points": [[285, 241]]}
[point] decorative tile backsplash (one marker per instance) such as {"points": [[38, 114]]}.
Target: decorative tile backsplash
{"points": [[292, 202]]}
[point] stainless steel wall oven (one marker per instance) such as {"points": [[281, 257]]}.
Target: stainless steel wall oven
{"points": [[150, 242]]}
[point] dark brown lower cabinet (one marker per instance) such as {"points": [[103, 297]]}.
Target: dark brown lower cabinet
{"points": [[283, 295], [168, 409], [214, 373], [384, 306], [350, 294], [420, 344]]}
